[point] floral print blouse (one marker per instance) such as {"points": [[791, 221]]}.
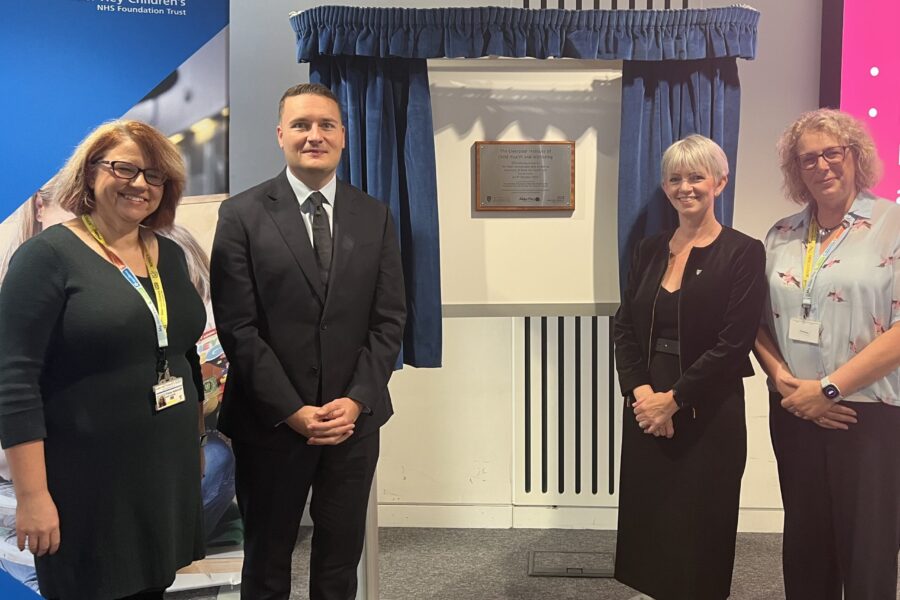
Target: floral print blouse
{"points": [[855, 295]]}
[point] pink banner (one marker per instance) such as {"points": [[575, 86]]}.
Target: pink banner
{"points": [[870, 80]]}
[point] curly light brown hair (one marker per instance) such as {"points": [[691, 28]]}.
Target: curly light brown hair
{"points": [[849, 130], [73, 183]]}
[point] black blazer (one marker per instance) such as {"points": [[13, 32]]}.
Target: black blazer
{"points": [[721, 299], [289, 341]]}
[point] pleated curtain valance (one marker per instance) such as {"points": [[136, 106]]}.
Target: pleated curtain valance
{"points": [[646, 35]]}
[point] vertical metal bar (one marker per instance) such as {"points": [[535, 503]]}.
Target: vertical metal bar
{"points": [[561, 4], [668, 4], [543, 3], [595, 444], [649, 4], [612, 408], [615, 4], [577, 4], [561, 403], [577, 405], [544, 404], [527, 431], [631, 4]]}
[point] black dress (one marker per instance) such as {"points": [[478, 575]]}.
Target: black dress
{"points": [[678, 497], [77, 366]]}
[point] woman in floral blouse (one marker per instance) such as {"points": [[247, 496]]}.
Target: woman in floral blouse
{"points": [[830, 345]]}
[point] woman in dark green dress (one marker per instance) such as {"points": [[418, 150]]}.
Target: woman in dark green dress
{"points": [[683, 334], [99, 377]]}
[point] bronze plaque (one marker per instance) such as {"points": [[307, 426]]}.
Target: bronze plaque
{"points": [[524, 175]]}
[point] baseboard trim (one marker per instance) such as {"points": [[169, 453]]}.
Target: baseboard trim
{"points": [[565, 517], [482, 516], [761, 520], [479, 516]]}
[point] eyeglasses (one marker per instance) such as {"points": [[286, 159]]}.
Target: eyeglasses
{"points": [[832, 156], [126, 170]]}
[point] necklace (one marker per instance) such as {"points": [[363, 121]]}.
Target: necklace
{"points": [[826, 231]]}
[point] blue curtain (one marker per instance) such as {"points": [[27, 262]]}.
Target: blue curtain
{"points": [[518, 32], [390, 155], [663, 102]]}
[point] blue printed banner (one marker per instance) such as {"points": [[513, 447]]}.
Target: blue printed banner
{"points": [[69, 65], [10, 589]]}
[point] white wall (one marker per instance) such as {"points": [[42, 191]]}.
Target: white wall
{"points": [[447, 455], [776, 88], [565, 256]]}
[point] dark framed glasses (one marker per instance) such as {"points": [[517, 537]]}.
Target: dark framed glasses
{"points": [[832, 156], [126, 170]]}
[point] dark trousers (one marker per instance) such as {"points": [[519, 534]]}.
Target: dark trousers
{"points": [[841, 495], [272, 487]]}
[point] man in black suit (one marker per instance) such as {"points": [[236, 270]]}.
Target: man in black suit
{"points": [[308, 296]]}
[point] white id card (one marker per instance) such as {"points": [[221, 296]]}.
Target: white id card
{"points": [[168, 392], [804, 330]]}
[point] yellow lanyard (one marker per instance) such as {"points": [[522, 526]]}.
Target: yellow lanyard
{"points": [[159, 312], [808, 267], [810, 252], [811, 266]]}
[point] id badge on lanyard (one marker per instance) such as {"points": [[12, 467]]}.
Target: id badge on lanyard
{"points": [[168, 390], [805, 330]]}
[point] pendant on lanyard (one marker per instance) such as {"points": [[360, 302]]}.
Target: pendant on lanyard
{"points": [[168, 390]]}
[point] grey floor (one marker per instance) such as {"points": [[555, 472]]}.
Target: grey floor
{"points": [[491, 564]]}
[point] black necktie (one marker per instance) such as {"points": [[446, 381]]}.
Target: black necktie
{"points": [[321, 235]]}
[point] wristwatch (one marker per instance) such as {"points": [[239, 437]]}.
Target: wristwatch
{"points": [[829, 390]]}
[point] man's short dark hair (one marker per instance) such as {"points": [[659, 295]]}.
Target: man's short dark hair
{"points": [[316, 89]]}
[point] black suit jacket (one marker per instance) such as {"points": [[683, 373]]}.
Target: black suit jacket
{"points": [[719, 309], [289, 341]]}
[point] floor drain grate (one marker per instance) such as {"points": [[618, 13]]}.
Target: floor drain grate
{"points": [[570, 564]]}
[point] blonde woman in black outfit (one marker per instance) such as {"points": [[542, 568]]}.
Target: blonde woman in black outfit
{"points": [[683, 333]]}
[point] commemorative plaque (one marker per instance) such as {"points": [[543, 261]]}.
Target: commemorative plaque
{"points": [[524, 175]]}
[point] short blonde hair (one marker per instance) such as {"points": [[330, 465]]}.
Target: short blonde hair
{"points": [[848, 130], [72, 186], [695, 152]]}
